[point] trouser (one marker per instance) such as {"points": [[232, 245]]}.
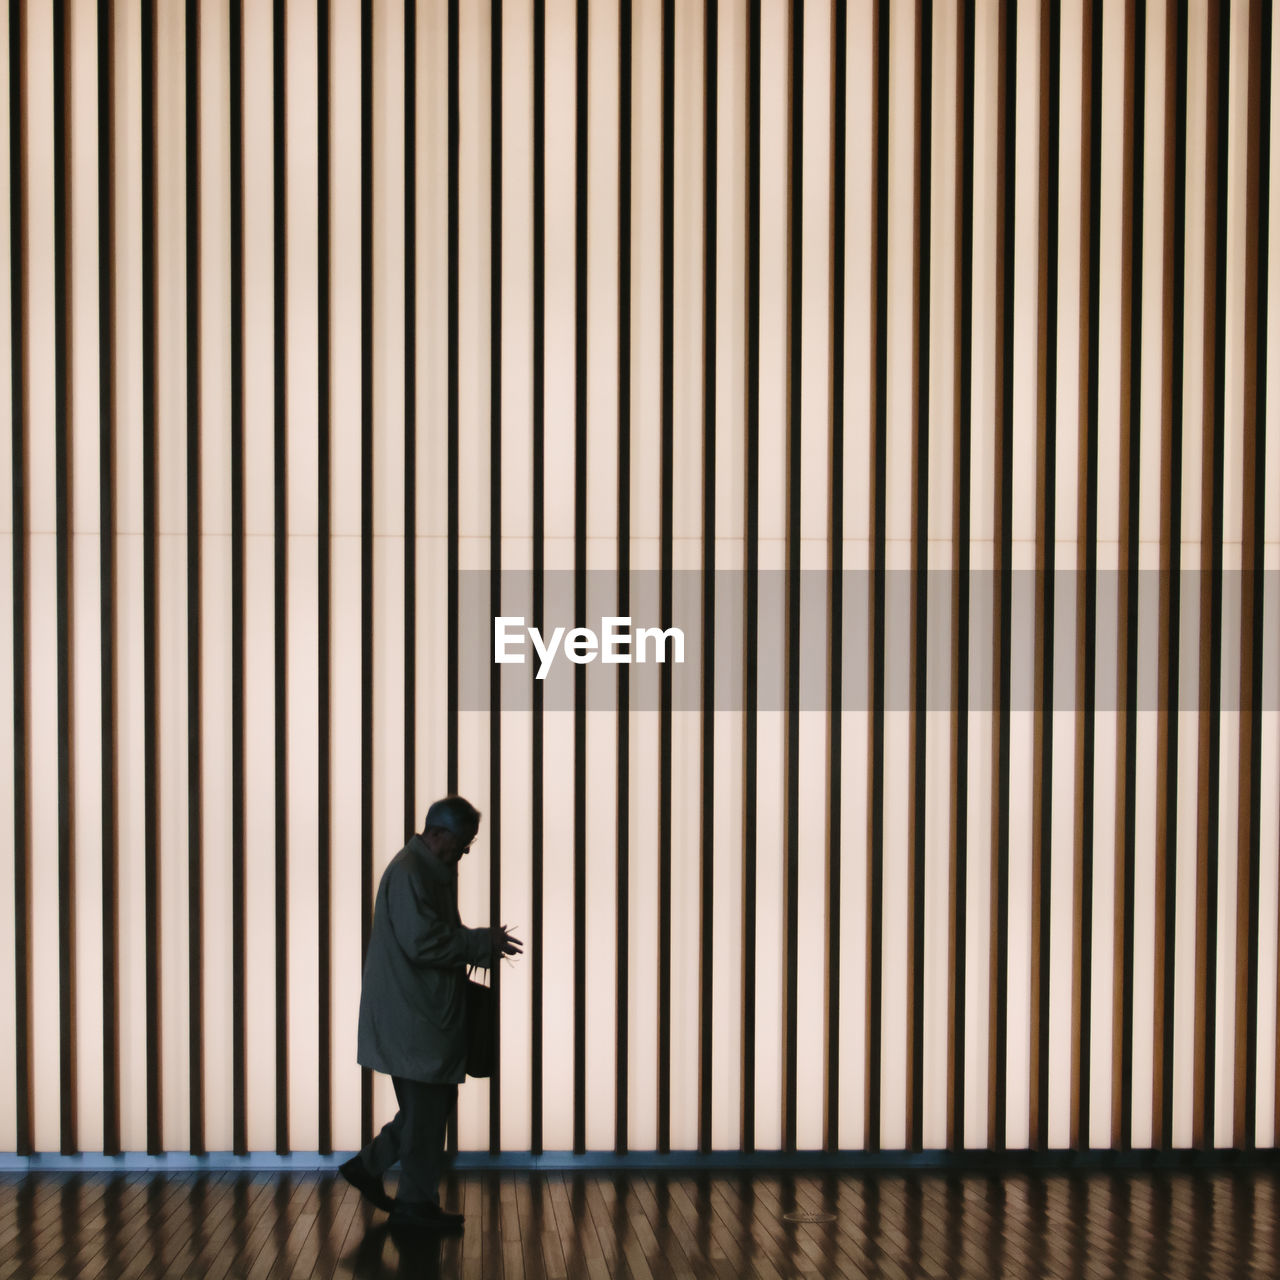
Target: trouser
{"points": [[415, 1138]]}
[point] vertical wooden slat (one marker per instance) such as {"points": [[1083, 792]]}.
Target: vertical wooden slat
{"points": [[451, 303], [62, 464], [1050, 65], [106, 575], [195, 808], [917, 778], [1210, 703], [960, 556], [666, 551], [324, 1029], [580, 587], [366, 518], [1087, 588], [495, 520], [1253, 563], [411, 396], [1134, 151], [623, 870], [706, 850], [239, 1064], [752, 585], [1175, 205], [279, 35], [835, 592], [795, 309], [875, 805], [151, 801], [1006, 186], [539, 524]]}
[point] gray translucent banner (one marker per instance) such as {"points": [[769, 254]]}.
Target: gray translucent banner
{"points": [[601, 639]]}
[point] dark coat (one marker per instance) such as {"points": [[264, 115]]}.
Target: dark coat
{"points": [[412, 1002]]}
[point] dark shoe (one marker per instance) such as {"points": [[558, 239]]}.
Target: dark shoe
{"points": [[365, 1182], [424, 1215]]}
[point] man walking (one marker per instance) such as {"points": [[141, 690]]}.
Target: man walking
{"points": [[413, 1011]]}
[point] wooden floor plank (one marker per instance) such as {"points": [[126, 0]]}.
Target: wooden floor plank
{"points": [[60, 1237], [161, 1215], [338, 1204], [666, 1243], [759, 1213], [471, 1203], [32, 1202], [122, 1198], [702, 1243], [529, 1217], [623, 1249], [727, 1207], [583, 1254], [620, 1198], [84, 1239], [250, 1227], [660, 1226], [210, 1205]]}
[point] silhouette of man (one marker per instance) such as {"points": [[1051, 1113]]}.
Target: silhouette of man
{"points": [[413, 1011]]}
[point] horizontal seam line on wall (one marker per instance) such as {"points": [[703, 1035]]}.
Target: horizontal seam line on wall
{"points": [[851, 1161]]}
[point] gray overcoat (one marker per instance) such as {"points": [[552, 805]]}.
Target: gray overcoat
{"points": [[412, 1006]]}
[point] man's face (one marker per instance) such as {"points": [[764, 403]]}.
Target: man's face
{"points": [[450, 847]]}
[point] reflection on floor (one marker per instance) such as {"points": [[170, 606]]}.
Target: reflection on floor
{"points": [[214, 1225]]}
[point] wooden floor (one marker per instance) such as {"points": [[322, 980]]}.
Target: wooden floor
{"points": [[707, 1225]]}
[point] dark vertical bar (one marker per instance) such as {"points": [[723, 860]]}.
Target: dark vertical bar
{"points": [[280, 218], [665, 570], [1252, 638], [62, 464], [539, 432], [875, 799], [495, 531], [366, 520], [451, 674], [1130, 464], [1006, 186], [151, 802], [1175, 204], [835, 742], [324, 831], [960, 618], [751, 621], [21, 783], [1046, 559], [411, 402], [580, 586], [195, 788], [1210, 753], [1087, 624], [795, 315], [238, 1067], [706, 886], [452, 417], [106, 579], [624, 577], [923, 220]]}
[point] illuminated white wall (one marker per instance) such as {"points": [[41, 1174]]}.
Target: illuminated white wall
{"points": [[66, 1078]]}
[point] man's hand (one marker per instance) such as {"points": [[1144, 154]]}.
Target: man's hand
{"points": [[505, 943]]}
